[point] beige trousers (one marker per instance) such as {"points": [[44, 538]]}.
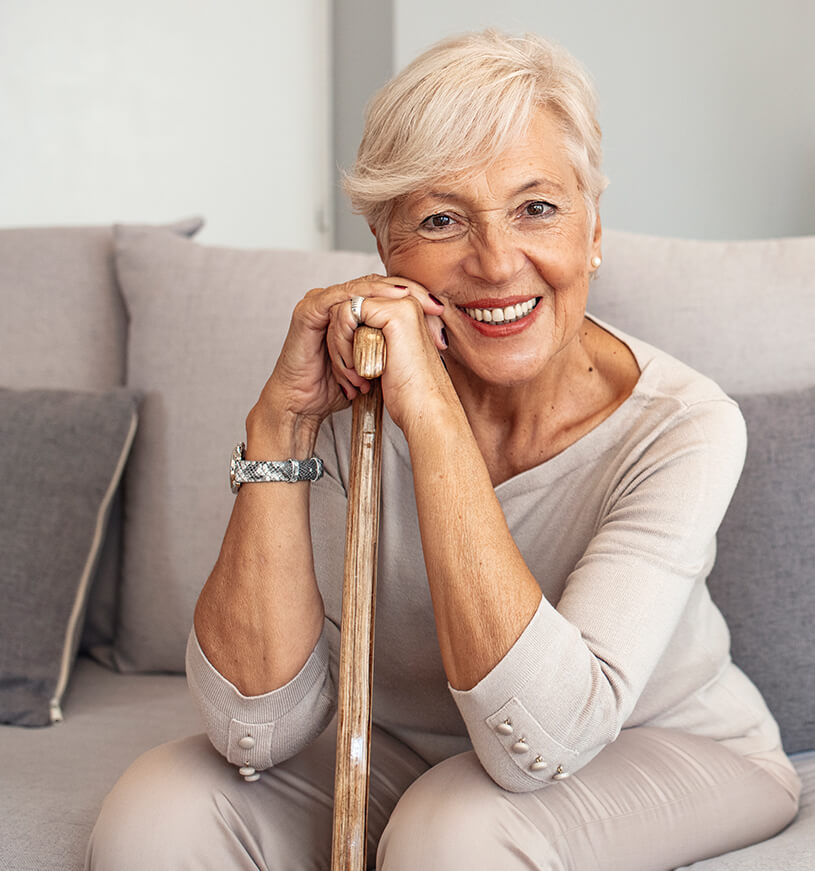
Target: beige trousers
{"points": [[651, 801]]}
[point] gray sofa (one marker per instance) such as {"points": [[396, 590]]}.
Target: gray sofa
{"points": [[108, 537]]}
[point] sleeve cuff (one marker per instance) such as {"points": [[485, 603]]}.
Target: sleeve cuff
{"points": [[261, 731], [502, 711]]}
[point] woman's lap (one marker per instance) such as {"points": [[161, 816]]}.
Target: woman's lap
{"points": [[183, 806], [654, 799]]}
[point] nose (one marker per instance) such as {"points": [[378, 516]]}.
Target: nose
{"points": [[496, 257]]}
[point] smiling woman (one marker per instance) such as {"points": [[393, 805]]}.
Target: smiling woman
{"points": [[553, 685]]}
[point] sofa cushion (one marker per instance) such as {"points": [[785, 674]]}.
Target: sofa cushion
{"points": [[764, 577], [206, 326], [740, 312], [54, 780], [64, 327], [62, 454]]}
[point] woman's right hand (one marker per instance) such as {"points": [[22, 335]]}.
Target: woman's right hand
{"points": [[302, 389]]}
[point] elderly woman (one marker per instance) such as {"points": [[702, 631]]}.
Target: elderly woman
{"points": [[553, 683]]}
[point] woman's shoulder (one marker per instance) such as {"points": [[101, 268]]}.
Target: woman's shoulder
{"points": [[676, 414], [663, 376]]}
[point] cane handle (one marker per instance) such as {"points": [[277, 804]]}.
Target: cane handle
{"points": [[369, 352]]}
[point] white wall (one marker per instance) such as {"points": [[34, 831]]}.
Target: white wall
{"points": [[150, 111], [707, 106]]}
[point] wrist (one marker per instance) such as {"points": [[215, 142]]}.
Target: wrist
{"points": [[280, 436], [439, 419]]}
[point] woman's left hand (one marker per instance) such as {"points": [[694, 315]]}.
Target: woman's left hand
{"points": [[415, 378]]}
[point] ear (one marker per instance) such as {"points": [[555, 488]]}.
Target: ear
{"points": [[597, 241]]}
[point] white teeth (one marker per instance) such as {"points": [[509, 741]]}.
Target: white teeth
{"points": [[502, 315]]}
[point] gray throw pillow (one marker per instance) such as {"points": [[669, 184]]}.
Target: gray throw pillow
{"points": [[764, 578], [62, 454]]}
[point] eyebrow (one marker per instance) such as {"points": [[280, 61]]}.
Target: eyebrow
{"points": [[541, 183]]}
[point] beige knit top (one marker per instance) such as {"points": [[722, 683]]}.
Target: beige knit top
{"points": [[619, 531]]}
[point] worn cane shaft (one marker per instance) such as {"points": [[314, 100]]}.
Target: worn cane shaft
{"points": [[348, 850]]}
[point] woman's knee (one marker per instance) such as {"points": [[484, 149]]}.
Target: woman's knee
{"points": [[161, 811], [455, 817]]}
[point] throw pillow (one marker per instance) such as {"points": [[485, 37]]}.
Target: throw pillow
{"points": [[206, 327], [62, 454], [764, 580]]}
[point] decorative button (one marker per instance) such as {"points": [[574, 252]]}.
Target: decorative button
{"points": [[247, 742], [247, 771], [520, 746], [538, 765], [560, 774], [251, 778], [504, 728]]}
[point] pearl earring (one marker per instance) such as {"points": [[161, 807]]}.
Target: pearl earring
{"points": [[596, 261]]}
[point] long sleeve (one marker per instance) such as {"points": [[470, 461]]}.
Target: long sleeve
{"points": [[574, 677]]}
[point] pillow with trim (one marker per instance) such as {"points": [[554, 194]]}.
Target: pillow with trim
{"points": [[763, 577], [62, 454]]}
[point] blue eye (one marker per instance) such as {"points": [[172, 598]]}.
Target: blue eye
{"points": [[539, 208]]}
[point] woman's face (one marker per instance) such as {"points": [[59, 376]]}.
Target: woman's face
{"points": [[515, 234]]}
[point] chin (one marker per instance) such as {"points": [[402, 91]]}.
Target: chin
{"points": [[515, 371]]}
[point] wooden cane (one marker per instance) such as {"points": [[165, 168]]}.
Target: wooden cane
{"points": [[348, 849]]}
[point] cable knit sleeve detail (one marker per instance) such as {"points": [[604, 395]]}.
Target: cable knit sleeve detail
{"points": [[569, 683], [261, 731]]}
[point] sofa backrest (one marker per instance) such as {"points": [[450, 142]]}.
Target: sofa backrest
{"points": [[740, 312], [63, 323], [743, 313]]}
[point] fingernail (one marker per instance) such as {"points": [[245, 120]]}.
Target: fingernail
{"points": [[444, 337], [435, 299], [400, 286]]}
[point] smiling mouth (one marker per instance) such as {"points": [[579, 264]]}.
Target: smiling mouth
{"points": [[506, 315]]}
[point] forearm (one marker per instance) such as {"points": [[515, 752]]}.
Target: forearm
{"points": [[483, 593], [260, 613]]}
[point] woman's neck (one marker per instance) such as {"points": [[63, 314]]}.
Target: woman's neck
{"points": [[522, 425]]}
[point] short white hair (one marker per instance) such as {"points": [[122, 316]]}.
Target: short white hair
{"points": [[462, 102]]}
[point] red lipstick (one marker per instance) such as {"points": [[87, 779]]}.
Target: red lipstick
{"points": [[499, 330]]}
